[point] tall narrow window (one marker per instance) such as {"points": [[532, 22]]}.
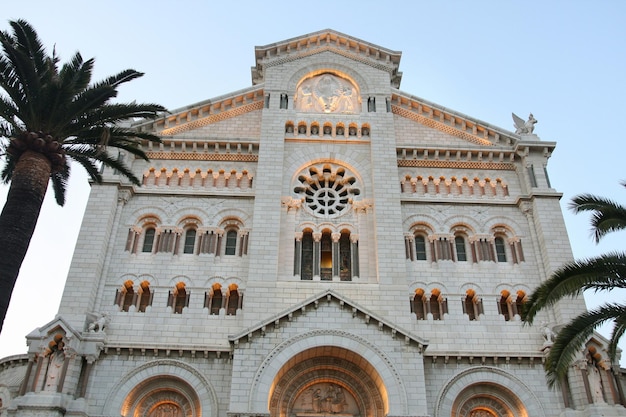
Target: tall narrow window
{"points": [[519, 304], [234, 300], [179, 299], [461, 252], [306, 272], [472, 305], [284, 101], [500, 249], [126, 297], [145, 296], [345, 258], [231, 242], [213, 300], [420, 248], [190, 241], [148, 240], [326, 257], [418, 305], [504, 306], [438, 305], [531, 176]]}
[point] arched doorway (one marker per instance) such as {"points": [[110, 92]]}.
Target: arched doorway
{"points": [[328, 380]]}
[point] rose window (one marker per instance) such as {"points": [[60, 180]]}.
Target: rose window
{"points": [[327, 191]]}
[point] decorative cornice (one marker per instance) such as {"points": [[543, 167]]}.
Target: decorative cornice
{"points": [[212, 118], [440, 125], [191, 156], [413, 163]]}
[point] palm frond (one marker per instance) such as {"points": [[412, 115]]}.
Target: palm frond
{"points": [[607, 215], [89, 157], [7, 169], [571, 338], [59, 184], [604, 272]]}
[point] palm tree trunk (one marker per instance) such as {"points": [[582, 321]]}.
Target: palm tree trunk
{"points": [[18, 219]]}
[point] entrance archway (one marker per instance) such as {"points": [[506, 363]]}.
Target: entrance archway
{"points": [[327, 380]]}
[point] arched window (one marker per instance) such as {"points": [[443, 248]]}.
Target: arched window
{"points": [[148, 240], [461, 250], [190, 241], [306, 270], [420, 248], [235, 300], [126, 297], [178, 299], [472, 305], [213, 300], [419, 304], [326, 257], [504, 305], [500, 249], [231, 242], [519, 304], [437, 305], [345, 258], [145, 296]]}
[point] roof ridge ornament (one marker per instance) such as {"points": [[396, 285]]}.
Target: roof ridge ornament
{"points": [[524, 127]]}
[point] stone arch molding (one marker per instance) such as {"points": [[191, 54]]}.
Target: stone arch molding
{"points": [[392, 385], [503, 390], [154, 376]]}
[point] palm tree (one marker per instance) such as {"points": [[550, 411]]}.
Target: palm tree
{"points": [[601, 273], [50, 115]]}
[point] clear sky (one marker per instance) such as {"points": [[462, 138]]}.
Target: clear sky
{"points": [[564, 61]]}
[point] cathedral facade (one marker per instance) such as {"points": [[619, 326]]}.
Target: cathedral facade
{"points": [[320, 243]]}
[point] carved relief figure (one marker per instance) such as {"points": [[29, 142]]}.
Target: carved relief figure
{"points": [[327, 93]]}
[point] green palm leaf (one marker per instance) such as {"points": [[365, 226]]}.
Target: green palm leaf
{"points": [[602, 273], [51, 114]]}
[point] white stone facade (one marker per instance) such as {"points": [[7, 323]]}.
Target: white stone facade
{"points": [[320, 243]]}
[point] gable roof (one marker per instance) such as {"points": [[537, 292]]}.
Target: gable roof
{"points": [[261, 327], [326, 40]]}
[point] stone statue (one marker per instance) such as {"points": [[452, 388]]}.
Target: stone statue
{"points": [[56, 359], [548, 334], [99, 324], [524, 127], [595, 381]]}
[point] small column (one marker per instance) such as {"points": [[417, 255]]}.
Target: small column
{"points": [[317, 248], [218, 243], [24, 385], [336, 258], [297, 255], [354, 254]]}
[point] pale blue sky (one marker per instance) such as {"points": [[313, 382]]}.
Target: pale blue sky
{"points": [[564, 61]]}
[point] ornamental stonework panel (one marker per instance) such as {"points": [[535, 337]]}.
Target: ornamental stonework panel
{"points": [[327, 93]]}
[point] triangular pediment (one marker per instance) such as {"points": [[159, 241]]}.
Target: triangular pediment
{"points": [[465, 129], [207, 112], [346, 306], [326, 40]]}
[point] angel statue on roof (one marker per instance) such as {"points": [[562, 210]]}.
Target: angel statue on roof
{"points": [[524, 127]]}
